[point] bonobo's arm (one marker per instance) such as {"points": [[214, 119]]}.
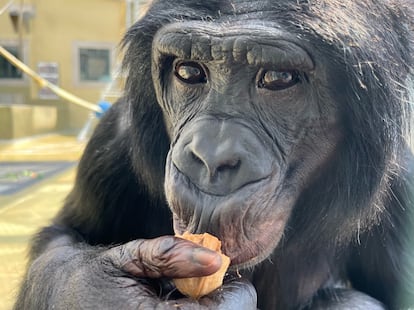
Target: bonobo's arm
{"points": [[75, 264], [73, 275]]}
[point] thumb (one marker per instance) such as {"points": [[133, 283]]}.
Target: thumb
{"points": [[165, 256]]}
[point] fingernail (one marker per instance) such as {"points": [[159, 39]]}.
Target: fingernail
{"points": [[206, 257]]}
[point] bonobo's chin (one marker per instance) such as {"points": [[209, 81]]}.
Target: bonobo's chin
{"points": [[243, 252], [249, 222]]}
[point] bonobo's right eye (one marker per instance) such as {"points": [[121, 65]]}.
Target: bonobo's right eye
{"points": [[190, 72]]}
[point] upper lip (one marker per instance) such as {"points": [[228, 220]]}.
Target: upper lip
{"points": [[210, 193]]}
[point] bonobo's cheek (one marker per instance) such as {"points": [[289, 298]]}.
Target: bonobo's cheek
{"points": [[249, 222]]}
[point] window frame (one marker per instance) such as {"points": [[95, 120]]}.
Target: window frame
{"points": [[24, 79], [77, 46]]}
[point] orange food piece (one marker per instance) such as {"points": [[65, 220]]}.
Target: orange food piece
{"points": [[197, 287]]}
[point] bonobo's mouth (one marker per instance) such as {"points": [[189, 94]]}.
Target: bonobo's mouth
{"points": [[243, 252], [249, 222]]}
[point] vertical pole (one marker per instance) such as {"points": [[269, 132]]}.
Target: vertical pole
{"points": [[136, 10], [20, 30], [128, 13]]}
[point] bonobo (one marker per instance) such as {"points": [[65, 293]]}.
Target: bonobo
{"points": [[281, 127]]}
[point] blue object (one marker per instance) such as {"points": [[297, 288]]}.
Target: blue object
{"points": [[104, 105]]}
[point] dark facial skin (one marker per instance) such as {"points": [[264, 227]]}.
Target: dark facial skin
{"points": [[247, 129]]}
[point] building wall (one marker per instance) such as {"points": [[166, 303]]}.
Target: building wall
{"points": [[56, 31]]}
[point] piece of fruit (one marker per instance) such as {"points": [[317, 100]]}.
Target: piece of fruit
{"points": [[199, 286]]}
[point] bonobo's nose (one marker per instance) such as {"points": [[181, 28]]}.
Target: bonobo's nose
{"points": [[217, 155], [220, 157]]}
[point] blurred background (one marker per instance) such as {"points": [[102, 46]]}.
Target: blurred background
{"points": [[73, 45]]}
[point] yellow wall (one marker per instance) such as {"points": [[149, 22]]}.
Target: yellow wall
{"points": [[57, 27]]}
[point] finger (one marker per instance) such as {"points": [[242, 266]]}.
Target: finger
{"points": [[166, 256], [236, 294]]}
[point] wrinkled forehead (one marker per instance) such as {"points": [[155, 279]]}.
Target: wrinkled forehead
{"points": [[255, 9], [252, 43]]}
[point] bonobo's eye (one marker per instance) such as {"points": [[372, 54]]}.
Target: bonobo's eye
{"points": [[190, 72], [278, 80]]}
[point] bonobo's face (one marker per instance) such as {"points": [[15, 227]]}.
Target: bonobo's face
{"points": [[251, 121]]}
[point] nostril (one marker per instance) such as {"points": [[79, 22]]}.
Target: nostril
{"points": [[196, 159], [215, 163], [231, 164]]}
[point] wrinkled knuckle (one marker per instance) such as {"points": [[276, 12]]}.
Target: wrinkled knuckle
{"points": [[148, 258], [165, 245]]}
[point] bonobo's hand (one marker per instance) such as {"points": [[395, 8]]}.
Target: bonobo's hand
{"points": [[122, 278]]}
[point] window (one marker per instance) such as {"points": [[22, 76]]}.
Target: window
{"points": [[7, 70], [94, 65]]}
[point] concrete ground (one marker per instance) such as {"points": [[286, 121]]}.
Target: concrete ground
{"points": [[24, 212]]}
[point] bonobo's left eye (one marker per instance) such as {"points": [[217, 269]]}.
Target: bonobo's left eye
{"points": [[190, 72], [278, 80]]}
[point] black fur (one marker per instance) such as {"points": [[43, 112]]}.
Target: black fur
{"points": [[348, 229]]}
